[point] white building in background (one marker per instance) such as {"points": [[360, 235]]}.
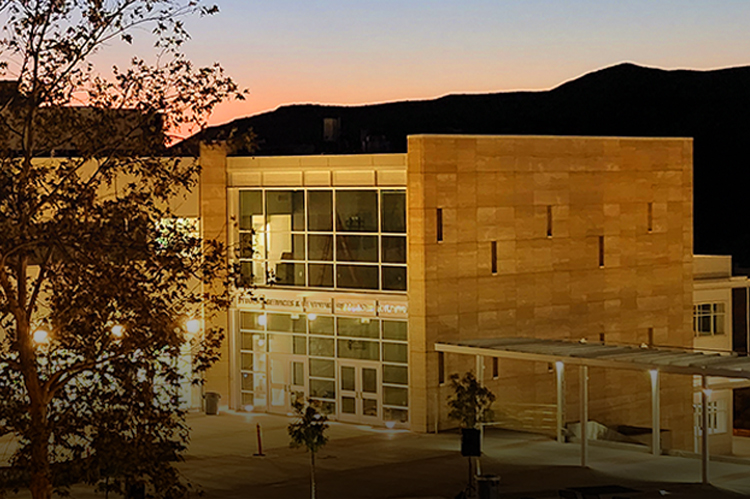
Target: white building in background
{"points": [[720, 324]]}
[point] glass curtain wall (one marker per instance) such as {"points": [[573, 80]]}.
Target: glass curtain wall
{"points": [[331, 238], [325, 339]]}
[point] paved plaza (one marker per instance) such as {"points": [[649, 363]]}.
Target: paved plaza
{"points": [[363, 462]]}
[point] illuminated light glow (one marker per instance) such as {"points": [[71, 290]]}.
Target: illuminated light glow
{"points": [[249, 408], [41, 336], [193, 326], [654, 374], [118, 331], [295, 316], [312, 317], [364, 320], [262, 320], [261, 342], [708, 392], [559, 365], [390, 424]]}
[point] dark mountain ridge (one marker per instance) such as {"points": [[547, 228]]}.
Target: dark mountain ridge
{"points": [[623, 100]]}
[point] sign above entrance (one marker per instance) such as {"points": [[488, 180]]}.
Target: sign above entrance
{"points": [[393, 308], [357, 307]]}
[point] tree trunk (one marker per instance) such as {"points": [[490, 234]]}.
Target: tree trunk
{"points": [[312, 475], [41, 472]]}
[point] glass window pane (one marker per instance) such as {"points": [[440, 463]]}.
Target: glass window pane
{"points": [[358, 349], [394, 249], [286, 274], [320, 211], [286, 323], [394, 278], [286, 246], [252, 245], [397, 375], [357, 276], [370, 407], [369, 380], [321, 275], [393, 211], [252, 320], [285, 211], [357, 248], [395, 330], [348, 405], [358, 328], [251, 273], [321, 368], [247, 399], [251, 210], [395, 352], [720, 308], [398, 415], [300, 345], [246, 362], [298, 373], [280, 343], [320, 248], [347, 378], [247, 381], [246, 343], [357, 211], [323, 388], [327, 407], [395, 396], [704, 324], [321, 347], [719, 324], [322, 324]]}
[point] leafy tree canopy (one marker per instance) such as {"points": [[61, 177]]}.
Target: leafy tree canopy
{"points": [[470, 402], [98, 275]]}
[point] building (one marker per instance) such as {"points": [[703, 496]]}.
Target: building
{"points": [[720, 324], [357, 265]]}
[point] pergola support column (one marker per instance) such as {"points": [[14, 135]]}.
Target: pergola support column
{"points": [[655, 414], [704, 429], [584, 402], [560, 378]]}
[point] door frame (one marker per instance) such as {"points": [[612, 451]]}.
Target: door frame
{"points": [[358, 393]]}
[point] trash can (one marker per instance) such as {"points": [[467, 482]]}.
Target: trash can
{"points": [[489, 486], [212, 403]]}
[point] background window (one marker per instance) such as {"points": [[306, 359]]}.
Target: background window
{"points": [[709, 319], [357, 211]]}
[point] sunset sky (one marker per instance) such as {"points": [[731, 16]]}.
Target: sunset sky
{"points": [[354, 51]]}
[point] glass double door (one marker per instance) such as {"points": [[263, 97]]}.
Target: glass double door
{"points": [[288, 382], [359, 397]]}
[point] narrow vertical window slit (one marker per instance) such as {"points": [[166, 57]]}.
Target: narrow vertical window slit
{"points": [[493, 258], [650, 217], [439, 224], [549, 221], [495, 367], [601, 251], [441, 367]]}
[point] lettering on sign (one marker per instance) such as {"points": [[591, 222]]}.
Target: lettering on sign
{"points": [[249, 301], [318, 306], [393, 309], [284, 303], [356, 307]]}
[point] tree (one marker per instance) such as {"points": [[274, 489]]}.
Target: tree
{"points": [[309, 432], [97, 275], [470, 403]]}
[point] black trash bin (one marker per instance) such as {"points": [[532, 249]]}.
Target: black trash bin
{"points": [[489, 486], [212, 403]]}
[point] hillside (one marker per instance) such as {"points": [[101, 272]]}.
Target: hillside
{"points": [[625, 100]]}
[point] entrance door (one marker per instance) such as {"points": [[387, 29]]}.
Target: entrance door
{"points": [[359, 392], [288, 382]]}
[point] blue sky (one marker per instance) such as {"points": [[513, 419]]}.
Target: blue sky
{"points": [[352, 52]]}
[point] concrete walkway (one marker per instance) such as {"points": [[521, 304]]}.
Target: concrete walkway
{"points": [[361, 463]]}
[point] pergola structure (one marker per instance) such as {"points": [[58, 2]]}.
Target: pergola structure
{"points": [[585, 355]]}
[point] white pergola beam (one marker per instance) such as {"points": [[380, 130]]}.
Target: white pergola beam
{"points": [[560, 379], [655, 414]]}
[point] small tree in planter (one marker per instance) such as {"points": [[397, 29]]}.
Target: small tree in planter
{"points": [[470, 405], [309, 432]]}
